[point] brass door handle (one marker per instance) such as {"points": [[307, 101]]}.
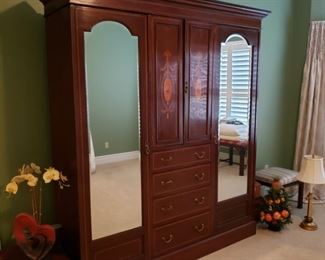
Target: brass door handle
{"points": [[147, 147], [200, 228], [168, 159], [200, 155], [169, 240], [164, 183], [167, 209], [200, 201], [200, 177], [186, 87]]}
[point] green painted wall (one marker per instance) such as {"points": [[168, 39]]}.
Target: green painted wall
{"points": [[24, 126], [112, 76], [24, 130], [317, 10], [283, 48]]}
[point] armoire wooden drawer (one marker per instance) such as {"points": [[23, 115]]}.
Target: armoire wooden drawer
{"points": [[180, 157], [185, 178], [181, 232], [181, 205]]}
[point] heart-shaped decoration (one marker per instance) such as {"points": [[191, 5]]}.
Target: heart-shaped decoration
{"points": [[34, 239]]}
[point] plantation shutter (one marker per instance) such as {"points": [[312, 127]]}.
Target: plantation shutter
{"points": [[235, 81], [223, 85]]}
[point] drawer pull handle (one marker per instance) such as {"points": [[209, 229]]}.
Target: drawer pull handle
{"points": [[200, 155], [168, 159], [167, 209], [200, 201], [164, 183], [200, 177], [169, 240], [200, 228]]}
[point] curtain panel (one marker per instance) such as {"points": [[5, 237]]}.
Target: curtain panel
{"points": [[311, 124]]}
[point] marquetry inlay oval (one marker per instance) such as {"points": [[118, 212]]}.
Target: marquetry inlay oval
{"points": [[168, 84], [198, 89], [168, 90]]}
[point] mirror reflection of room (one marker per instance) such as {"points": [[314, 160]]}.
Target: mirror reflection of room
{"points": [[111, 58], [234, 109]]}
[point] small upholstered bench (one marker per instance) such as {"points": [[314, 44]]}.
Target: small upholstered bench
{"points": [[287, 178]]}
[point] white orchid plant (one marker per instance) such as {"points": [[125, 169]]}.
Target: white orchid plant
{"points": [[31, 174]]}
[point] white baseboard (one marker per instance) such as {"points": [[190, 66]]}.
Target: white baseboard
{"points": [[117, 157]]}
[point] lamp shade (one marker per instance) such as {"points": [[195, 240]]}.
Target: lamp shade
{"points": [[312, 170]]}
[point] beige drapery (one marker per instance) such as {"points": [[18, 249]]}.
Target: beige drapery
{"points": [[311, 124]]}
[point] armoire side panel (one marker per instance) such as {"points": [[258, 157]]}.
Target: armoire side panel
{"points": [[62, 112], [166, 57], [199, 38]]}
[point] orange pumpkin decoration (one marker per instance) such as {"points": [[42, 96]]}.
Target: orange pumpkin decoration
{"points": [[285, 213], [268, 217], [276, 215]]}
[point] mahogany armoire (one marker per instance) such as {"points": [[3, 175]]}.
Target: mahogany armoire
{"points": [[179, 102]]}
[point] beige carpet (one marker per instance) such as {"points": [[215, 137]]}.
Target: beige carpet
{"points": [[230, 183], [115, 198], [292, 243]]}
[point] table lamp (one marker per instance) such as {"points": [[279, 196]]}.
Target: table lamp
{"points": [[311, 172]]}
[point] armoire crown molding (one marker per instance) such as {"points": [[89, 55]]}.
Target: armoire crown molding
{"points": [[144, 5]]}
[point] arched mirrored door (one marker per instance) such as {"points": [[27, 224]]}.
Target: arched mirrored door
{"points": [[234, 116], [113, 107]]}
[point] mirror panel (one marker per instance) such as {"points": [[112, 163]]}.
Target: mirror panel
{"points": [[234, 116], [112, 80]]}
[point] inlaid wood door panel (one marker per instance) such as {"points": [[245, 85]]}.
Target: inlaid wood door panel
{"points": [[198, 83], [166, 71]]}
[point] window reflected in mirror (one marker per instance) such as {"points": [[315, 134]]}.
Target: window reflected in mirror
{"points": [[234, 116], [111, 60]]}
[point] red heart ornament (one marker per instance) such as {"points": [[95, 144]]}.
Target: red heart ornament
{"points": [[34, 239]]}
